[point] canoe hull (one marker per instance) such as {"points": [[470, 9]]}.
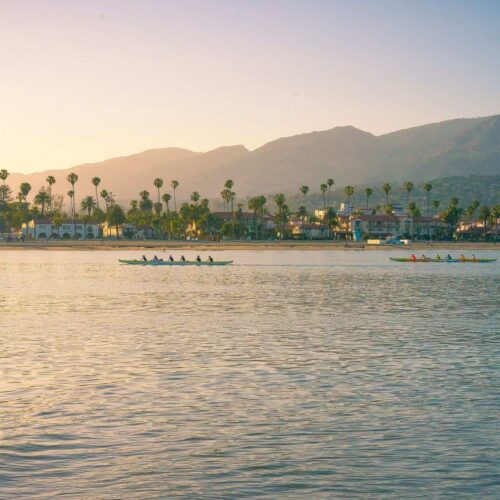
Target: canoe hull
{"points": [[446, 261], [175, 263]]}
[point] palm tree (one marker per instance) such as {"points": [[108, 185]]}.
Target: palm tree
{"points": [[71, 195], [323, 188], [104, 195], [349, 191], [175, 185], [231, 195], [408, 187], [5, 191], [254, 205], [24, 190], [195, 198], [368, 193], [427, 189], [304, 190], [166, 197], [158, 183], [72, 179], [330, 183], [279, 199], [386, 188], [42, 198], [331, 220], [435, 205], [88, 204], [51, 180], [96, 181], [484, 215]]}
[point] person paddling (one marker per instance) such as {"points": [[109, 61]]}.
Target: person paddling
{"points": [[413, 257], [171, 259], [448, 257], [198, 258], [144, 258], [183, 259], [438, 257], [210, 259]]}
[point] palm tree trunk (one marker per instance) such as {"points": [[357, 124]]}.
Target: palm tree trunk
{"points": [[96, 197]]}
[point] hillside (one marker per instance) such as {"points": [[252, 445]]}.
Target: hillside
{"points": [[448, 149]]}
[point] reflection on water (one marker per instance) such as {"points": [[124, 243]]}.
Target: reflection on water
{"points": [[290, 373]]}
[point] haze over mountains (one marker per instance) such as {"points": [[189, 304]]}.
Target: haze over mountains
{"points": [[351, 156]]}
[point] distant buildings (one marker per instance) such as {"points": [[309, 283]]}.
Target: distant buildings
{"points": [[43, 229]]}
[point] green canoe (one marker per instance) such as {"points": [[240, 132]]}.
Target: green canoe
{"points": [[175, 262]]}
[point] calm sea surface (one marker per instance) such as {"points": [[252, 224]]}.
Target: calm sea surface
{"points": [[293, 374]]}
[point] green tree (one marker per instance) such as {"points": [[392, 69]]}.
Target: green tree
{"points": [[323, 188], [331, 220], [88, 204], [72, 179], [386, 188], [158, 183], [24, 190], [115, 217], [166, 197], [435, 205], [330, 183], [96, 181], [282, 215], [51, 180], [484, 215], [145, 203], [408, 187], [427, 189], [349, 191], [414, 209], [304, 190], [71, 196], [175, 185], [42, 199], [368, 193]]}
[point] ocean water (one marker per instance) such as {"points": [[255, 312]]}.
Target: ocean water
{"points": [[291, 374]]}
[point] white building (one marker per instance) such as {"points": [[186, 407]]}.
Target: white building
{"points": [[42, 229]]}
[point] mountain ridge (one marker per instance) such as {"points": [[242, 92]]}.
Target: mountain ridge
{"points": [[349, 155]]}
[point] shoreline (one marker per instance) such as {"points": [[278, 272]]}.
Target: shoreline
{"points": [[212, 246]]}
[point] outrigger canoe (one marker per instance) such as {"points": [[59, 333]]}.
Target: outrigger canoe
{"points": [[449, 261], [175, 262]]}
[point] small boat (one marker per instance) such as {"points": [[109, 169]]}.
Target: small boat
{"points": [[449, 261], [175, 262]]}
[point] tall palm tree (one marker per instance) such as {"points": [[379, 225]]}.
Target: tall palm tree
{"points": [[72, 179], [88, 204], [330, 183], [368, 193], [408, 187], [435, 205], [158, 183], [427, 189], [96, 181], [71, 195], [323, 188], [175, 185], [24, 190], [279, 199], [104, 195], [195, 198], [166, 197], [51, 180], [42, 198], [304, 190], [484, 215], [5, 191], [253, 205], [231, 195], [386, 188], [349, 191]]}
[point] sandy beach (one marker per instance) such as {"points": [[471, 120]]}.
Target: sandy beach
{"points": [[237, 245]]}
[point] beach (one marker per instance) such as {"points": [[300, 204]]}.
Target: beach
{"points": [[213, 246]]}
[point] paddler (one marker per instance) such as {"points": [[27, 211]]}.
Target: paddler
{"points": [[210, 259], [198, 258], [438, 257], [413, 257], [462, 258], [183, 259], [171, 259]]}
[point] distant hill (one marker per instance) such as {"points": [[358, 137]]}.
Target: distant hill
{"points": [[453, 148]]}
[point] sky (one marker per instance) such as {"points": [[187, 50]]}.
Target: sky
{"points": [[86, 80]]}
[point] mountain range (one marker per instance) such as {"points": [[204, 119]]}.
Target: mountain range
{"points": [[346, 154]]}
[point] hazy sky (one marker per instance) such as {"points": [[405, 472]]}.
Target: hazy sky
{"points": [[84, 80]]}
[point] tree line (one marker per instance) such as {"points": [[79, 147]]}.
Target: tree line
{"points": [[194, 218]]}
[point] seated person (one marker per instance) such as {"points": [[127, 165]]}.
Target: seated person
{"points": [[210, 258], [171, 259], [198, 259], [144, 258], [183, 259]]}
